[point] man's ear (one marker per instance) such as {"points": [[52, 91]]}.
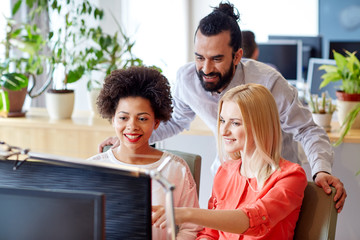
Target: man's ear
{"points": [[157, 123], [238, 55]]}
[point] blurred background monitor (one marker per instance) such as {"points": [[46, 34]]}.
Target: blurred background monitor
{"points": [[311, 48], [285, 55], [314, 77], [340, 46], [127, 193], [51, 214]]}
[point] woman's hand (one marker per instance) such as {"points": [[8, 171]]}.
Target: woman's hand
{"points": [[158, 217]]}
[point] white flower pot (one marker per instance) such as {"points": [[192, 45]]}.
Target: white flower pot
{"points": [[323, 120], [92, 97], [343, 108], [60, 105]]}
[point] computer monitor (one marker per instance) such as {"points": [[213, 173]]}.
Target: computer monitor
{"points": [[29, 213], [127, 192], [286, 56], [311, 48], [340, 46], [314, 78]]}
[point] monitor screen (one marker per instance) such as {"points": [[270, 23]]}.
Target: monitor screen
{"points": [[286, 56], [311, 47], [51, 214], [340, 46], [314, 78], [127, 193]]}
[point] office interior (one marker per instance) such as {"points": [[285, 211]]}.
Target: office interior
{"points": [[164, 37]]}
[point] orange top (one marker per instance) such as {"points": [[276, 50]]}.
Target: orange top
{"points": [[272, 210]]}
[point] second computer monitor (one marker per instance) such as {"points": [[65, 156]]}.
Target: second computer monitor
{"points": [[340, 46], [314, 78], [311, 47], [286, 56]]}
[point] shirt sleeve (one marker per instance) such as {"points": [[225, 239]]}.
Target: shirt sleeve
{"points": [[181, 117], [296, 119], [286, 194]]}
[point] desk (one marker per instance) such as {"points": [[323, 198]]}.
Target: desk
{"points": [[76, 137], [353, 135]]}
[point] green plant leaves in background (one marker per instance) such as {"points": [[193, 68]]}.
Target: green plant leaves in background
{"points": [[14, 81], [4, 103], [347, 70]]}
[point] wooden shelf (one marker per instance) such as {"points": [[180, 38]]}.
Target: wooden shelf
{"points": [[76, 137]]}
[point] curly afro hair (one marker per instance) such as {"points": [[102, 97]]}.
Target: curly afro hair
{"points": [[136, 81]]}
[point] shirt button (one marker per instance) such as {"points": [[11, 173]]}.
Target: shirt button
{"points": [[263, 218]]}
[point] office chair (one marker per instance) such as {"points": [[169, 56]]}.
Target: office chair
{"points": [[318, 215], [193, 161]]}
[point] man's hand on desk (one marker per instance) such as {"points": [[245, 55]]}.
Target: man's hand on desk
{"points": [[325, 180], [114, 141]]}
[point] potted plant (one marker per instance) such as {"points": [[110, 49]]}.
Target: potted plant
{"points": [[322, 110], [109, 52], [66, 44], [21, 62], [346, 70]]}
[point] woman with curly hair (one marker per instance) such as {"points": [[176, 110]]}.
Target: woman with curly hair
{"points": [[135, 101]]}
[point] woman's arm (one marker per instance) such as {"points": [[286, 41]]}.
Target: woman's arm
{"points": [[234, 221]]}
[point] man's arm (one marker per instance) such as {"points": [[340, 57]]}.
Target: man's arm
{"points": [[297, 120], [180, 119]]}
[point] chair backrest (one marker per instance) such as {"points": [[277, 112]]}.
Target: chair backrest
{"points": [[193, 160], [318, 215]]}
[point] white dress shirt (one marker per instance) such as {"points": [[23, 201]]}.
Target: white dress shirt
{"points": [[190, 99]]}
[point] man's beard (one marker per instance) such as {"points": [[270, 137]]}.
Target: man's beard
{"points": [[222, 82]]}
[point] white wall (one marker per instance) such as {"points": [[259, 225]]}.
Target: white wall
{"points": [[4, 12], [263, 17], [163, 30]]}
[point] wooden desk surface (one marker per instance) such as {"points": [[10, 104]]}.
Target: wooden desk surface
{"points": [[80, 136], [353, 135], [76, 137]]}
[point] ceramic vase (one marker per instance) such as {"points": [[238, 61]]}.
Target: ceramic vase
{"points": [[323, 120], [60, 105]]}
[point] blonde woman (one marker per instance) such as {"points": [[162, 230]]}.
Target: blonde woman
{"points": [[256, 193]]}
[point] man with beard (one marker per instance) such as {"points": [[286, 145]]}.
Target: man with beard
{"points": [[218, 68]]}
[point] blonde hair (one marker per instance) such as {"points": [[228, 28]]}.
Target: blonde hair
{"points": [[261, 120]]}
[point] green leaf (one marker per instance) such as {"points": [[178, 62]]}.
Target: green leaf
{"points": [[16, 7], [76, 74], [4, 103], [348, 122], [14, 81]]}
